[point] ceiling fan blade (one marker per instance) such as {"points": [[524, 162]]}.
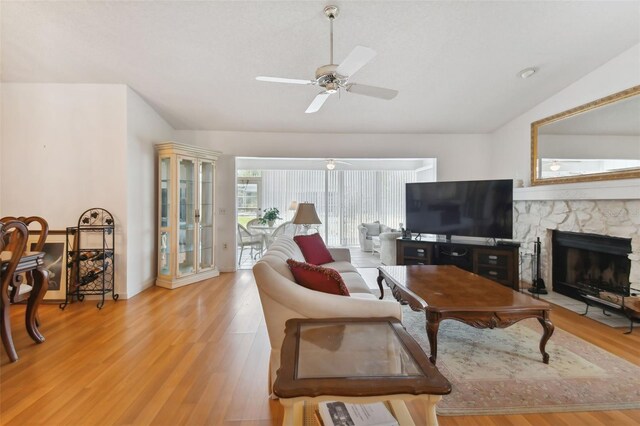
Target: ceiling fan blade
{"points": [[358, 58], [373, 91], [317, 102], [284, 80]]}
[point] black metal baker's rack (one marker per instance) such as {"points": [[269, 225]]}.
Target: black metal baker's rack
{"points": [[90, 257]]}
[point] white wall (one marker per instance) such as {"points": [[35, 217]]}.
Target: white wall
{"points": [[459, 157], [63, 152], [144, 128], [69, 147], [511, 144]]}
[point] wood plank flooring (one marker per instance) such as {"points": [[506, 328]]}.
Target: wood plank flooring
{"points": [[195, 356]]}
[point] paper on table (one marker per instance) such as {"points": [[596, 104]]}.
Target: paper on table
{"points": [[336, 413]]}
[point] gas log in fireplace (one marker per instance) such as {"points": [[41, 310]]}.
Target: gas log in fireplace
{"points": [[595, 269]]}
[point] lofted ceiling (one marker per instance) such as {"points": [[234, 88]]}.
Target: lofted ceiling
{"points": [[455, 64]]}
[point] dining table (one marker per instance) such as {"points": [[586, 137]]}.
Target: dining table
{"points": [[30, 263]]}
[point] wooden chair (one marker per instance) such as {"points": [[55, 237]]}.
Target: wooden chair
{"points": [[13, 242], [20, 289]]}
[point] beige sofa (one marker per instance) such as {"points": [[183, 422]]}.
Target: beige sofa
{"points": [[283, 299]]}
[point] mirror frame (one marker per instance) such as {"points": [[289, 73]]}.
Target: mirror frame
{"points": [[535, 180]]}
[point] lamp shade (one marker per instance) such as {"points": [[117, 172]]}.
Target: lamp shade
{"points": [[306, 215], [293, 205]]}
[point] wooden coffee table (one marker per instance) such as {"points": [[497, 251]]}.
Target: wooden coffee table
{"points": [[357, 360], [448, 292]]}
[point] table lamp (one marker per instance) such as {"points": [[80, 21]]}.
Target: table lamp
{"points": [[306, 215]]}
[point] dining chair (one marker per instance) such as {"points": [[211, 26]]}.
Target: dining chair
{"points": [[286, 228], [13, 242], [252, 223], [249, 239], [20, 287]]}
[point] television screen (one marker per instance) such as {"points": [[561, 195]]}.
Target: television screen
{"points": [[480, 208]]}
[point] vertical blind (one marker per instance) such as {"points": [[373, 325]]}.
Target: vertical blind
{"points": [[343, 198]]}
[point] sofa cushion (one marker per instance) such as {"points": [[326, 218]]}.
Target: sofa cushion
{"points": [[373, 229], [313, 249], [354, 282], [341, 266], [318, 278]]}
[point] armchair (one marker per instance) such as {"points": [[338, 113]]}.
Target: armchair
{"points": [[388, 247], [368, 230]]}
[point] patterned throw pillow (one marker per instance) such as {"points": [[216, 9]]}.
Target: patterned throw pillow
{"points": [[318, 278], [313, 249]]}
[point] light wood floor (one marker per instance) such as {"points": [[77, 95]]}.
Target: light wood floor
{"points": [[196, 355]]}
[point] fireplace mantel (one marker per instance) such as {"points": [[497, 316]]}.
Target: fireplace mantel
{"points": [[628, 189]]}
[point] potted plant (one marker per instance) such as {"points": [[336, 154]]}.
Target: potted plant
{"points": [[270, 216]]}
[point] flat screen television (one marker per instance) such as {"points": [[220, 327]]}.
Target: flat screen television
{"points": [[481, 208]]}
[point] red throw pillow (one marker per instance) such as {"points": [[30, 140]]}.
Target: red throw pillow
{"points": [[313, 249], [318, 278]]}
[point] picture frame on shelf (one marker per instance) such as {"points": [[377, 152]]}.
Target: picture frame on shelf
{"points": [[55, 261]]}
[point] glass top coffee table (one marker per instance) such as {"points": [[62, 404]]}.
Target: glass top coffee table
{"points": [[360, 360]]}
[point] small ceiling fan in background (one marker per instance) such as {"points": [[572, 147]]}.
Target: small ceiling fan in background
{"points": [[331, 163], [334, 77]]}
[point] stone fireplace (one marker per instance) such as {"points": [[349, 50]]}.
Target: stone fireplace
{"points": [[539, 211], [590, 264]]}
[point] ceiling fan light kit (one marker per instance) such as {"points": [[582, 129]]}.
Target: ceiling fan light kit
{"points": [[333, 77]]}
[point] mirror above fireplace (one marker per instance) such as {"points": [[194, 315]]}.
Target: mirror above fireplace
{"points": [[596, 141]]}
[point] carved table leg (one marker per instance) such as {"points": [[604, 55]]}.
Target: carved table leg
{"points": [[40, 287], [380, 278], [432, 333], [548, 328]]}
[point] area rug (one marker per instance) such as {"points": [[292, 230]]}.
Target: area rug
{"points": [[500, 371]]}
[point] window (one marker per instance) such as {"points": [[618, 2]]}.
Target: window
{"points": [[343, 198], [248, 198]]}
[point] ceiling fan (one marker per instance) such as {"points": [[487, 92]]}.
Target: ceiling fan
{"points": [[334, 77], [332, 162]]}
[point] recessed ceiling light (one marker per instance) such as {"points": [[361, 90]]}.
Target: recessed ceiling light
{"points": [[527, 72]]}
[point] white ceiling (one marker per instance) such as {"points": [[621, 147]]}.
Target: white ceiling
{"points": [[454, 63]]}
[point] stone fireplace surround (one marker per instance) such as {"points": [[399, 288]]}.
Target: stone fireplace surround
{"points": [[611, 209]]}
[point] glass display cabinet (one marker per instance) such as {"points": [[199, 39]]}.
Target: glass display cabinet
{"points": [[186, 225]]}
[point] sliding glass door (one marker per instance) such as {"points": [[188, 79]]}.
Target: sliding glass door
{"points": [[343, 198]]}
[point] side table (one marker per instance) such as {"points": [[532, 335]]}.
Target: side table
{"points": [[361, 360]]}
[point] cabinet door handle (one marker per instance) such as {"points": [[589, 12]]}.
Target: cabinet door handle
{"points": [[493, 257], [494, 273]]}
